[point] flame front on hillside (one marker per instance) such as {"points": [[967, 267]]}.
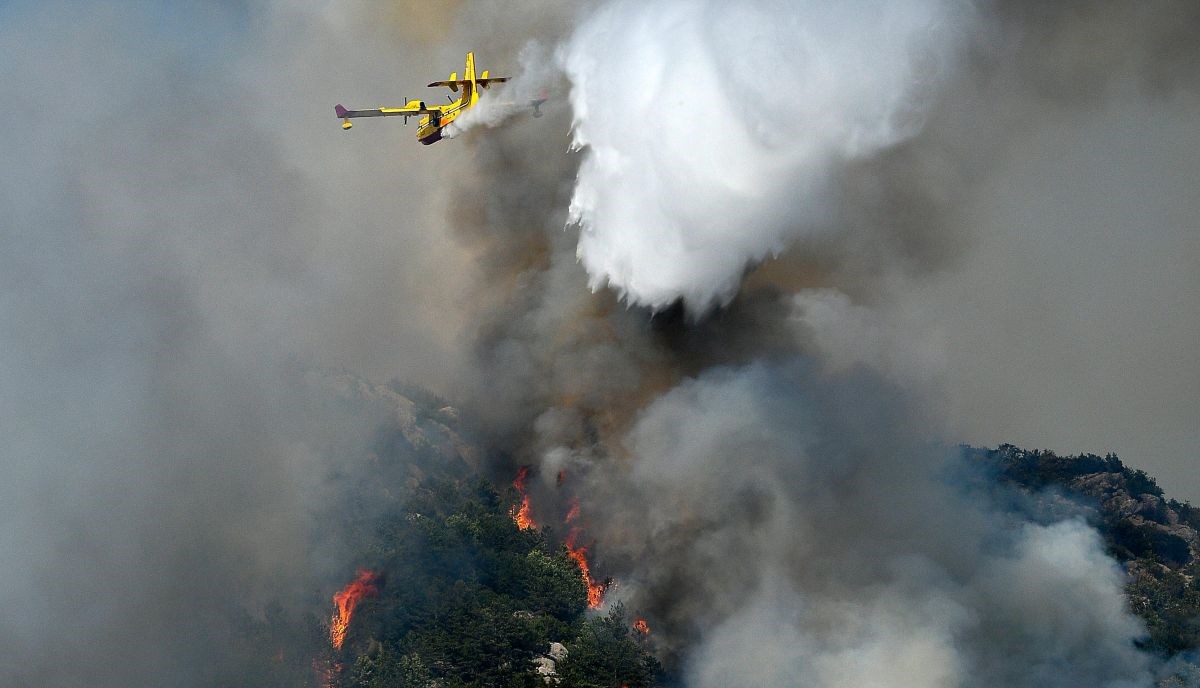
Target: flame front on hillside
{"points": [[346, 600], [523, 518], [522, 515], [595, 589]]}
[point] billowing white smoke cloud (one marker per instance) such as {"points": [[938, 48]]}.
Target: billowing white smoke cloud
{"points": [[798, 524], [712, 128], [1047, 614]]}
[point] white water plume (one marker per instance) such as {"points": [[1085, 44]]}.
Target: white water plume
{"points": [[711, 129]]}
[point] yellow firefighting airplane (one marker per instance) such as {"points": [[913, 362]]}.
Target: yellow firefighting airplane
{"points": [[434, 118]]}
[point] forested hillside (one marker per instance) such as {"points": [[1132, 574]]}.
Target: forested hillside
{"points": [[453, 592], [1154, 537], [466, 598]]}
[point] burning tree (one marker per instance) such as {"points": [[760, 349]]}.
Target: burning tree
{"points": [[346, 600], [521, 514], [578, 554]]}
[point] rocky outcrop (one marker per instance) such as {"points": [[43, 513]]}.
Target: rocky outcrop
{"points": [[1126, 505], [1156, 539], [546, 665], [420, 419]]}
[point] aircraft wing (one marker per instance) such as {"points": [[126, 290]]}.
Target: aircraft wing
{"points": [[413, 108]]}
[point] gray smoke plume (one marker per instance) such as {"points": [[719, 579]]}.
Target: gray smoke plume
{"points": [[1031, 253], [185, 232], [185, 227], [784, 527], [791, 523]]}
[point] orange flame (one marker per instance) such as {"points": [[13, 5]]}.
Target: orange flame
{"points": [[574, 511], [346, 600], [595, 590], [519, 481], [641, 627], [522, 515]]}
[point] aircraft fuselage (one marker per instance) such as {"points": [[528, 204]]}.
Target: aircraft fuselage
{"points": [[430, 127]]}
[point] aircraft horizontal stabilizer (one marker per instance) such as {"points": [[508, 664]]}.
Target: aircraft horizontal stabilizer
{"points": [[455, 85]]}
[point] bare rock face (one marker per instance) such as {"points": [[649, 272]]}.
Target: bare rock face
{"points": [[421, 420], [546, 668], [1156, 539], [547, 665], [1126, 505]]}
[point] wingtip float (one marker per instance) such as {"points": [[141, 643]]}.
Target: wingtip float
{"points": [[435, 118]]}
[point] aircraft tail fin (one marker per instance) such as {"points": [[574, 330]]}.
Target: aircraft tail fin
{"points": [[469, 70], [536, 103]]}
